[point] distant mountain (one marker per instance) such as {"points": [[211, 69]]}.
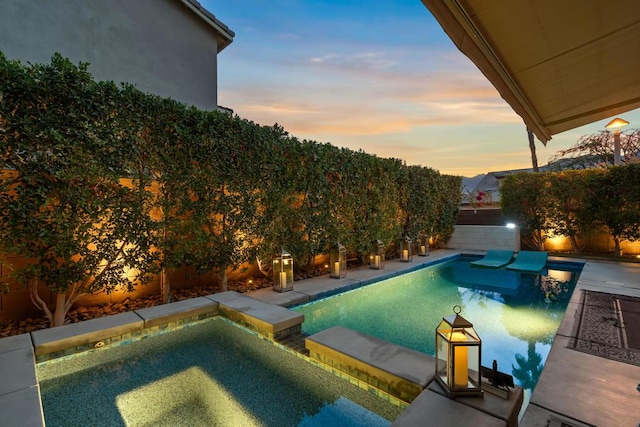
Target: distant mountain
{"points": [[468, 184]]}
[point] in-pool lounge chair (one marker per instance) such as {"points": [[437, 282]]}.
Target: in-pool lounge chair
{"points": [[529, 261], [494, 258]]}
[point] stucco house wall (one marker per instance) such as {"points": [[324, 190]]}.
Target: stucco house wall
{"points": [[166, 47]]}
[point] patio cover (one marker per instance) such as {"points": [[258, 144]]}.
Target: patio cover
{"points": [[559, 64]]}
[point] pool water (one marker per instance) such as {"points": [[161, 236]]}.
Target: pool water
{"points": [[516, 314], [210, 374]]}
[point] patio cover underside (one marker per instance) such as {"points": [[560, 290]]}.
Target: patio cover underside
{"points": [[559, 64]]}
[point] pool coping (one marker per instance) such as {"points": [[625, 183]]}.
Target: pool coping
{"points": [[307, 290]]}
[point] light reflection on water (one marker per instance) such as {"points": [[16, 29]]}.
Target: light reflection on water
{"points": [[516, 314]]}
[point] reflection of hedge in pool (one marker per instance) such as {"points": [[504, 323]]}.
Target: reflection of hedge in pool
{"points": [[518, 288], [490, 279]]}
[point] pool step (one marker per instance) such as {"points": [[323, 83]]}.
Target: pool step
{"points": [[408, 375], [397, 370], [295, 342], [269, 320], [77, 337]]}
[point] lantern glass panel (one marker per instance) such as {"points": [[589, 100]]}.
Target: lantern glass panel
{"points": [[441, 356], [282, 272], [423, 249], [406, 250], [377, 255], [338, 262], [474, 367]]}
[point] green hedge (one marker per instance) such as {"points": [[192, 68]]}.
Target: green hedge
{"points": [[202, 188], [574, 203]]}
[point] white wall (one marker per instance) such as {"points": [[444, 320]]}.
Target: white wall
{"points": [[484, 237], [159, 45]]}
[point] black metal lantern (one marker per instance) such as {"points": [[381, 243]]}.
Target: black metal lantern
{"points": [[458, 352], [338, 262], [283, 272], [406, 249], [423, 250], [376, 255]]}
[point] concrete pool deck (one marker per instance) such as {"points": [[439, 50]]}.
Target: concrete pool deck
{"points": [[575, 388]]}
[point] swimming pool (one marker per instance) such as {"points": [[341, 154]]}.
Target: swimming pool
{"points": [[213, 373], [516, 314]]}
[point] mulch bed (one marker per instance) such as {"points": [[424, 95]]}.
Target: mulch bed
{"points": [[82, 313]]}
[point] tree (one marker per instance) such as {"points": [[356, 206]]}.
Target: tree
{"points": [[311, 221], [447, 197], [532, 148], [616, 203], [568, 208], [220, 203], [71, 201], [163, 128], [524, 199], [596, 150], [421, 201]]}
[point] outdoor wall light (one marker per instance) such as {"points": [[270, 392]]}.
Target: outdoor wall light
{"points": [[406, 249], [283, 272], [376, 255], [424, 245], [338, 262], [616, 124], [511, 225], [458, 351]]}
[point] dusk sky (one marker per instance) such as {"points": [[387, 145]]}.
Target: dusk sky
{"points": [[379, 76]]}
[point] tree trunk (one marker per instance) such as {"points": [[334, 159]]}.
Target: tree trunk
{"points": [[32, 286], [538, 240], [532, 147], [263, 270], [165, 287], [60, 309], [616, 241], [223, 281], [575, 245]]}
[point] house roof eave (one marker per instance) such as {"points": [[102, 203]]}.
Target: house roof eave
{"points": [[224, 34]]}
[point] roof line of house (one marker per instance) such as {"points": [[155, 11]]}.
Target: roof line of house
{"points": [[225, 34]]}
